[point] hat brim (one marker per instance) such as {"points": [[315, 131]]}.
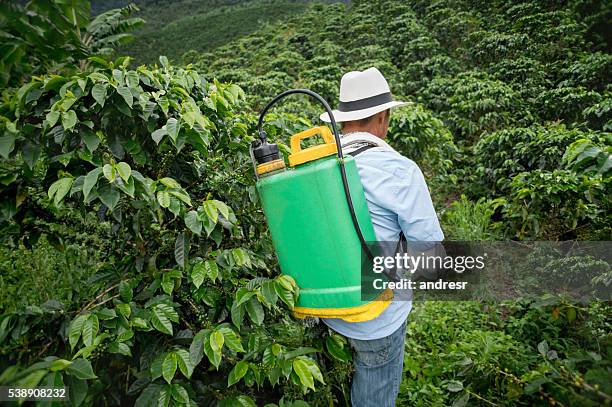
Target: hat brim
{"points": [[360, 114]]}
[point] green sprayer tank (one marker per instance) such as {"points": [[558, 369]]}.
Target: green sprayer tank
{"points": [[312, 229]]}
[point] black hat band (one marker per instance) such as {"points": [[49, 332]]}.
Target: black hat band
{"points": [[366, 103]]}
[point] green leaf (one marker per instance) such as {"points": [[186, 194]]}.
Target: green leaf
{"points": [[223, 208], [109, 172], [125, 291], [193, 223], [124, 309], [197, 274], [268, 292], [91, 139], [302, 350], [243, 295], [285, 295], [571, 314], [173, 127], [91, 179], [181, 249], [109, 196], [106, 314], [59, 364], [255, 311], [462, 400], [163, 198], [160, 321], [126, 94], [302, 370], [164, 61], [167, 283], [32, 379], [164, 104], [216, 340], [98, 92], [237, 314], [314, 369], [169, 367], [124, 171], [170, 183], [241, 401], [287, 282], [165, 395], [179, 394], [238, 372], [120, 348], [169, 311], [132, 79], [81, 369], [337, 348], [7, 144], [90, 329], [212, 270], [213, 356], [149, 396], [231, 339], [211, 210], [182, 196], [184, 362], [52, 117], [241, 258], [69, 120], [156, 366], [31, 153], [158, 134], [59, 189], [454, 386], [196, 349], [75, 329], [78, 390]]}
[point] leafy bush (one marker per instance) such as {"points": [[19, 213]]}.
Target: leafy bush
{"points": [[196, 25], [532, 353], [556, 205], [42, 273], [156, 152], [504, 154], [420, 136]]}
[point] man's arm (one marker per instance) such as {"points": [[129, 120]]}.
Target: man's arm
{"points": [[413, 206], [417, 216]]}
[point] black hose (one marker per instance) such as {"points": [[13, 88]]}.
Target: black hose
{"points": [[347, 192]]}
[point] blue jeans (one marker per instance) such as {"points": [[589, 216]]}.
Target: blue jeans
{"points": [[378, 369]]}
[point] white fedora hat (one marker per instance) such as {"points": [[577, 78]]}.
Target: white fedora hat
{"points": [[362, 94]]}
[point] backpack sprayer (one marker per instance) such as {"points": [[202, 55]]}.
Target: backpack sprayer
{"points": [[319, 220]]}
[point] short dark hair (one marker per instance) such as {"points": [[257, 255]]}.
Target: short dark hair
{"points": [[367, 120]]}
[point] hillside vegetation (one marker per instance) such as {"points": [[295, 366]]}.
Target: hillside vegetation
{"points": [[521, 89], [136, 266], [176, 27]]}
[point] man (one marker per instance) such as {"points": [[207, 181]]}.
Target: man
{"points": [[399, 202]]}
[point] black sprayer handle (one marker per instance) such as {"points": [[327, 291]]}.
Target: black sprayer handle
{"points": [[347, 192]]}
